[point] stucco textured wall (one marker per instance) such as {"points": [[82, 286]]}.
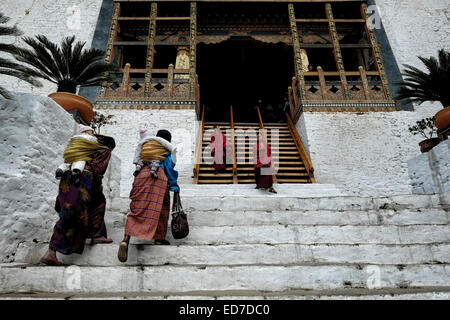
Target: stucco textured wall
{"points": [[33, 135], [342, 146], [415, 28], [34, 132], [430, 171], [54, 19], [368, 153], [364, 153], [181, 124]]}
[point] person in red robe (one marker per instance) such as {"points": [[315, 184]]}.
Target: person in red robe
{"points": [[262, 161], [221, 150]]}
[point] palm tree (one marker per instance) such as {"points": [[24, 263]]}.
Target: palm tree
{"points": [[421, 86], [67, 66], [11, 68]]}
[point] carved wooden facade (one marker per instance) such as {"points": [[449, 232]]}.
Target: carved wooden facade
{"points": [[151, 27], [144, 86]]}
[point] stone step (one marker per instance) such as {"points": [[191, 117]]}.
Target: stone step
{"points": [[291, 234], [232, 199], [170, 280], [344, 294], [320, 217], [244, 254]]}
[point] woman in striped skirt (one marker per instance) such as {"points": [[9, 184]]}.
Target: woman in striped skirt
{"points": [[155, 175]]}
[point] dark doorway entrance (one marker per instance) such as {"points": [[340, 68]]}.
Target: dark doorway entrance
{"points": [[241, 71]]}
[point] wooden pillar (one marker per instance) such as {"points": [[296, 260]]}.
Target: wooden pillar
{"points": [[297, 57], [109, 53], [323, 84], [337, 50], [233, 143], [192, 50], [150, 50], [126, 80], [291, 102], [365, 83], [197, 97], [170, 81], [294, 93], [376, 53], [198, 149]]}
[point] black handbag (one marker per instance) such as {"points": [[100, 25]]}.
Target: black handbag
{"points": [[179, 224]]}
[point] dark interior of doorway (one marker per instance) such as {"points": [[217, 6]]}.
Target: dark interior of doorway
{"points": [[241, 71]]}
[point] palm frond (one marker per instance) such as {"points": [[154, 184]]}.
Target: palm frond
{"points": [[39, 58], [4, 93], [8, 48], [88, 58], [20, 75], [11, 68], [69, 64], [3, 18], [10, 31], [433, 85], [96, 74]]}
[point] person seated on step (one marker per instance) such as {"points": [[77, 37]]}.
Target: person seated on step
{"points": [[84, 133]]}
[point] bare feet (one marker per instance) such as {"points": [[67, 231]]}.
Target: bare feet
{"points": [[122, 255], [101, 240], [50, 259]]}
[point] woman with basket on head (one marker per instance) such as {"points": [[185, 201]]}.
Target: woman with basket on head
{"points": [[155, 159]]}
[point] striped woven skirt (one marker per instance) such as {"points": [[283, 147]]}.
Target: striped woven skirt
{"points": [[149, 207]]}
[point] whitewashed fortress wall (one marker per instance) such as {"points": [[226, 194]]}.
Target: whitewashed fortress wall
{"points": [[54, 19], [355, 151]]}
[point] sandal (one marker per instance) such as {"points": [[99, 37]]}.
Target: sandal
{"points": [[162, 242], [123, 251], [50, 261], [101, 240]]}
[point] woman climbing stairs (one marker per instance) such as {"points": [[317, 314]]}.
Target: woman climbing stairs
{"points": [[287, 160]]}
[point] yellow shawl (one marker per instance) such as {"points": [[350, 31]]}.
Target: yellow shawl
{"points": [[81, 150], [153, 150]]}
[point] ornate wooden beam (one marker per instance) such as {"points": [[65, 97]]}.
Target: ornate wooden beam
{"points": [[322, 82], [126, 80], [170, 81], [198, 149], [301, 148], [110, 45], [297, 57], [112, 33], [337, 50], [376, 52], [193, 50], [150, 50], [364, 82], [233, 143]]}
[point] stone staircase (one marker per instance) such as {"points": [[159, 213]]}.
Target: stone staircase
{"points": [[287, 160], [306, 242]]}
